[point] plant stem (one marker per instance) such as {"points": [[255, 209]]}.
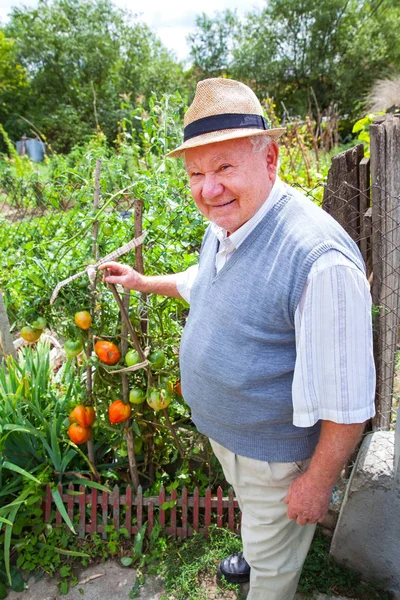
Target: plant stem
{"points": [[125, 397], [89, 347]]}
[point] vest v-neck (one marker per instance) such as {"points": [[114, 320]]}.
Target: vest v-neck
{"points": [[266, 223]]}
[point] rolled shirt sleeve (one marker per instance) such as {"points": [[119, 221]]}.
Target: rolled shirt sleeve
{"points": [[185, 281], [334, 377]]}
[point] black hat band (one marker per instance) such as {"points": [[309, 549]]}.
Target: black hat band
{"points": [[225, 121]]}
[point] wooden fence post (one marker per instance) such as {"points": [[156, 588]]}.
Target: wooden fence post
{"points": [[342, 190], [385, 175], [7, 346]]}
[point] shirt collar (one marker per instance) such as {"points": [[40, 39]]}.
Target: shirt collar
{"points": [[237, 237]]}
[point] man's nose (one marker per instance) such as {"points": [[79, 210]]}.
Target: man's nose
{"points": [[211, 187]]}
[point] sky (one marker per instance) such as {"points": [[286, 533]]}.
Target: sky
{"points": [[172, 20]]}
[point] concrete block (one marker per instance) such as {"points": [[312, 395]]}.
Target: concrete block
{"points": [[368, 530]]}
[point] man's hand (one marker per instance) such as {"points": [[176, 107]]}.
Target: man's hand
{"points": [[307, 500], [165, 285], [123, 275], [309, 495]]}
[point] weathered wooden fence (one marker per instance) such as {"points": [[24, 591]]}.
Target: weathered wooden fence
{"points": [[364, 196], [178, 515]]}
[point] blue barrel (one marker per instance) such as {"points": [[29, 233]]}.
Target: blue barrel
{"points": [[35, 150]]}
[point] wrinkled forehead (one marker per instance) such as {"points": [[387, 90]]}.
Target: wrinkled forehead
{"points": [[217, 152]]}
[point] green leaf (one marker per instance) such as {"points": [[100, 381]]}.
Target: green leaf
{"points": [[135, 590], [166, 505], [60, 505], [92, 484], [64, 552], [18, 583], [127, 561], [7, 542], [17, 469], [35, 279], [3, 591], [64, 585], [138, 541]]}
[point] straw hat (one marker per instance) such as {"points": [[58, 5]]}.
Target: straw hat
{"points": [[223, 109]]}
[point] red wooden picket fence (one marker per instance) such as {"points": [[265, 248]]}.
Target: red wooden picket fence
{"points": [[92, 511]]}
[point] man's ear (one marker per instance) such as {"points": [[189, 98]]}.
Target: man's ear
{"points": [[272, 154]]}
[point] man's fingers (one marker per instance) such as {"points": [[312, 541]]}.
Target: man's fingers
{"points": [[112, 279], [302, 521], [111, 264]]}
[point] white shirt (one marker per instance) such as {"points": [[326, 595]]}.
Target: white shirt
{"points": [[334, 375]]}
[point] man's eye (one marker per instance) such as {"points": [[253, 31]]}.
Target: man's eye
{"points": [[224, 167]]}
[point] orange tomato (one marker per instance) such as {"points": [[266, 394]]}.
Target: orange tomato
{"points": [[107, 352], [83, 319], [79, 434], [29, 334], [118, 412], [178, 388], [84, 415]]}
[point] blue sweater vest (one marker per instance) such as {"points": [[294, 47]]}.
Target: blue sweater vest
{"points": [[238, 347]]}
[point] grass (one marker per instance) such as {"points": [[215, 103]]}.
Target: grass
{"points": [[188, 570]]}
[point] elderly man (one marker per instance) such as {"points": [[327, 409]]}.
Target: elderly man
{"points": [[276, 356]]}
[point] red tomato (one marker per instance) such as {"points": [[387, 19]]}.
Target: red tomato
{"points": [[107, 352], [79, 434], [119, 412], [84, 415]]}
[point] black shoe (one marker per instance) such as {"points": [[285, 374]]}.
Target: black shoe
{"points": [[234, 568]]}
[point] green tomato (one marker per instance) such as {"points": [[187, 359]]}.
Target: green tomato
{"points": [[166, 384], [137, 395], [73, 348], [107, 229], [158, 399], [157, 359], [132, 358], [138, 443], [39, 323]]}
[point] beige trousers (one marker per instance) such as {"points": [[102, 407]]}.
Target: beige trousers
{"points": [[274, 546]]}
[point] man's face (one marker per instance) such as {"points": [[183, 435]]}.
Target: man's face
{"points": [[229, 182]]}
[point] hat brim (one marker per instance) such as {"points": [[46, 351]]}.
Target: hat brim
{"points": [[222, 136]]}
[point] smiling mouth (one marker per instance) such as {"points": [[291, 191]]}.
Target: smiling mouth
{"points": [[226, 204]]}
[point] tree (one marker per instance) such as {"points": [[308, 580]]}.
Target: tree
{"points": [[81, 56], [13, 84], [213, 42], [294, 50]]}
